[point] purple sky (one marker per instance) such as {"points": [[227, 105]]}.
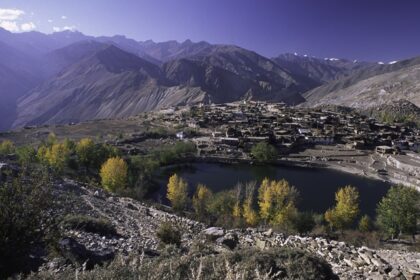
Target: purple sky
{"points": [[376, 30]]}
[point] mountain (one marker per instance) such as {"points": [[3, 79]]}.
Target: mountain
{"points": [[109, 82], [372, 86], [69, 77], [170, 50], [319, 70]]}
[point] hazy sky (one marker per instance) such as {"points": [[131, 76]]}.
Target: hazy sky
{"points": [[377, 30]]}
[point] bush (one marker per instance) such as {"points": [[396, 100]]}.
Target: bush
{"points": [[168, 234], [88, 224], [7, 147], [22, 205], [26, 155], [303, 222], [277, 263]]}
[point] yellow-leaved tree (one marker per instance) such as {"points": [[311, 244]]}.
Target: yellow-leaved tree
{"points": [[177, 192], [85, 151], [277, 201], [201, 200], [346, 209], [7, 147], [114, 174], [56, 156], [249, 213]]}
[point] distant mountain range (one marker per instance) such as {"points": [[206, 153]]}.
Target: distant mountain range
{"points": [[70, 77]]}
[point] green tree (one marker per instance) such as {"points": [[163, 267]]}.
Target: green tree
{"points": [[277, 201], [365, 224], [346, 210], [201, 200], [398, 211], [177, 192], [7, 147], [26, 155], [86, 152], [114, 174], [264, 152], [303, 222]]}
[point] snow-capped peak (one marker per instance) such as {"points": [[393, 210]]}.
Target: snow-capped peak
{"points": [[380, 62], [393, 62], [331, 58]]}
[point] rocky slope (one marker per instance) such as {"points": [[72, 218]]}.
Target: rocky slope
{"points": [[371, 86], [319, 70], [137, 224]]}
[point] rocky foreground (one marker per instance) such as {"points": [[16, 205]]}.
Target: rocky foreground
{"points": [[137, 224]]}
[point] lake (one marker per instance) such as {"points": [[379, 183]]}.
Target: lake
{"points": [[317, 186]]}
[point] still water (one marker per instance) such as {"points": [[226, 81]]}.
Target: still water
{"points": [[317, 186]]}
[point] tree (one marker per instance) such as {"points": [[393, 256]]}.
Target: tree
{"points": [[346, 210], [114, 174], [264, 152], [51, 139], [177, 192], [303, 222], [249, 213], [26, 155], [201, 200], [7, 147], [277, 201], [398, 211], [85, 151], [55, 156], [365, 224]]}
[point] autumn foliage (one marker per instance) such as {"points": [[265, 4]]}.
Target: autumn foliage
{"points": [[114, 174]]}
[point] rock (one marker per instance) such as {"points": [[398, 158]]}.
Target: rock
{"points": [[268, 233], [262, 244], [213, 233], [394, 273], [230, 240], [77, 254]]}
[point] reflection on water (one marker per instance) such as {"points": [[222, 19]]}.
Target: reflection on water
{"points": [[316, 186]]}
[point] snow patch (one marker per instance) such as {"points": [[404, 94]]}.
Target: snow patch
{"points": [[393, 62], [380, 62]]}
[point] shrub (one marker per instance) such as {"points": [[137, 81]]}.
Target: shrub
{"points": [[114, 174], [85, 151], [7, 147], [88, 224], [168, 234], [26, 155], [276, 263], [303, 222], [22, 204], [365, 224]]}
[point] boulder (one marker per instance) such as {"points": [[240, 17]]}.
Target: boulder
{"points": [[77, 254], [213, 233], [230, 240]]}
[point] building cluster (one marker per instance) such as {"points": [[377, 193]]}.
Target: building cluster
{"points": [[235, 127]]}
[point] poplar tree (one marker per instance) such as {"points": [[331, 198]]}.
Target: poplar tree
{"points": [[177, 192], [346, 209]]}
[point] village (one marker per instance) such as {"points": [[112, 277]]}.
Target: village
{"points": [[328, 137], [232, 129]]}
